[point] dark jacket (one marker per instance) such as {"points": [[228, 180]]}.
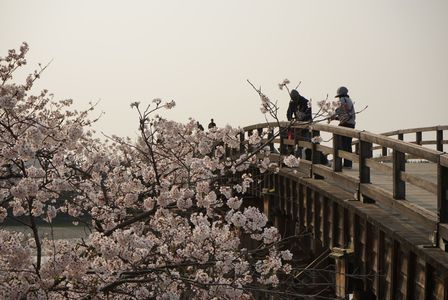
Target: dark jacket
{"points": [[299, 108]]}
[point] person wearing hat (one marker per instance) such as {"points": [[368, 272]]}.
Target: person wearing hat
{"points": [[346, 115]]}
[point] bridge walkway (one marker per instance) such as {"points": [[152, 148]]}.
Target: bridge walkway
{"points": [[414, 194], [388, 214]]}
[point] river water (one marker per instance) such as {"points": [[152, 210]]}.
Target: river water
{"points": [[58, 231]]}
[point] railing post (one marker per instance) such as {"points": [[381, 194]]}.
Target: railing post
{"points": [[337, 161], [439, 140], [296, 133], [384, 151], [282, 136], [260, 132], [400, 136], [249, 134], [399, 164], [271, 136], [242, 142], [364, 154], [418, 137], [315, 155], [442, 189]]}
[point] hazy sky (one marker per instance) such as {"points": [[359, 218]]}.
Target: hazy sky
{"points": [[392, 55]]}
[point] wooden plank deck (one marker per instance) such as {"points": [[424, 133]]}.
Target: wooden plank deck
{"points": [[414, 194]]}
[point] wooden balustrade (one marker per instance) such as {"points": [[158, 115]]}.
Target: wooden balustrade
{"points": [[419, 140], [366, 143]]}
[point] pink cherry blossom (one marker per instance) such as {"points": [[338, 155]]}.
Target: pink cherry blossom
{"points": [[161, 224]]}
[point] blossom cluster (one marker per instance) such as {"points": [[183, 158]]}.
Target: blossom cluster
{"points": [[327, 108], [316, 139], [284, 83], [291, 161]]}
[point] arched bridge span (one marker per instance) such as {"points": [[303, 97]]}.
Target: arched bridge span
{"points": [[386, 219]]}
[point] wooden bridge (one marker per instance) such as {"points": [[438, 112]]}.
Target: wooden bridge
{"points": [[387, 217]]}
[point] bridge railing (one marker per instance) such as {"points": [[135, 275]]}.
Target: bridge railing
{"points": [[402, 134], [366, 143]]}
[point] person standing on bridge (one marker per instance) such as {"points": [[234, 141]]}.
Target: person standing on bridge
{"points": [[199, 126], [346, 115], [211, 124], [299, 109]]}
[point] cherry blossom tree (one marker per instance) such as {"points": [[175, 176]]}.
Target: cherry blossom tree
{"points": [[165, 220]]}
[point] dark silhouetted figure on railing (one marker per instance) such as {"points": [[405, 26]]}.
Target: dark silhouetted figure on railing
{"points": [[200, 127], [299, 109], [211, 124]]}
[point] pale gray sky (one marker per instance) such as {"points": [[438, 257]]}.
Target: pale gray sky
{"points": [[392, 55]]}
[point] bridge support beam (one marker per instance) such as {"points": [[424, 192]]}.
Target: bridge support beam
{"points": [[363, 295], [341, 257]]}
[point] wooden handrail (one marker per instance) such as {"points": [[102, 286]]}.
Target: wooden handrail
{"points": [[404, 147], [379, 139], [414, 130], [430, 142], [439, 141]]}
